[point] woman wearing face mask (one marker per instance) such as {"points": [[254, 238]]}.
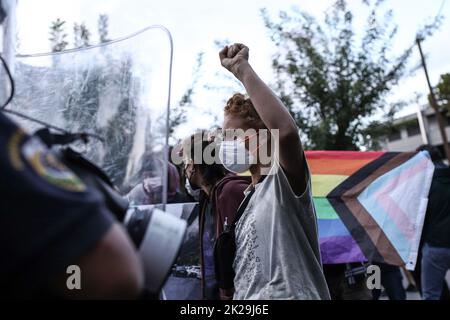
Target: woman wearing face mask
{"points": [[277, 248], [219, 194]]}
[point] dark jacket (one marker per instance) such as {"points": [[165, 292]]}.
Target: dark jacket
{"points": [[226, 196], [436, 228]]}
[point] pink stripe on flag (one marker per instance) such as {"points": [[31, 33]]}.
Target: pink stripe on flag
{"points": [[397, 215]]}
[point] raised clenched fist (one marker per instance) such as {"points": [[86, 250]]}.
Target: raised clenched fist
{"points": [[234, 57]]}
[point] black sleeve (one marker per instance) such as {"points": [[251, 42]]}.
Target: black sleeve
{"points": [[48, 217]]}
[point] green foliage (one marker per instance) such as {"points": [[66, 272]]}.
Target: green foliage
{"points": [[442, 92], [371, 134], [332, 81]]}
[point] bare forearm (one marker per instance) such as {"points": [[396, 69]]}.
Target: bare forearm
{"points": [[269, 107], [275, 116], [271, 111]]}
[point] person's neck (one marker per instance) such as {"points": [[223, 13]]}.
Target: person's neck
{"points": [[256, 174], [206, 189]]}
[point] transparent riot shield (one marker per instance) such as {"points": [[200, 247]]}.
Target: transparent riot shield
{"points": [[118, 93]]}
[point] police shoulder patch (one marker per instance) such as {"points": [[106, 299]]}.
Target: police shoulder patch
{"points": [[48, 167], [14, 149]]}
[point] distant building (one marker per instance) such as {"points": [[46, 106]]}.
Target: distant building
{"points": [[415, 129]]}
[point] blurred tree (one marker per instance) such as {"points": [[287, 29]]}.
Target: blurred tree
{"points": [[81, 35], [76, 36], [442, 91], [58, 36], [87, 104], [88, 90], [121, 128], [331, 82], [102, 25]]}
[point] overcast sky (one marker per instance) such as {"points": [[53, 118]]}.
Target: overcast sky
{"points": [[196, 24]]}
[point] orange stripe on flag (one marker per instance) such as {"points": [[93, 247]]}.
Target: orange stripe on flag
{"points": [[343, 155], [336, 166]]}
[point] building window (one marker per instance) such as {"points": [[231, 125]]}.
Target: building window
{"points": [[394, 135], [412, 128], [413, 131], [431, 119]]}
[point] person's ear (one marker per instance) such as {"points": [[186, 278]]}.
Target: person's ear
{"points": [[193, 171], [197, 175]]}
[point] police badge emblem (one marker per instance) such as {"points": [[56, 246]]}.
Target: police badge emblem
{"points": [[49, 168]]}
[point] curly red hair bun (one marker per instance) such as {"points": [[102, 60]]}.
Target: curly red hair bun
{"points": [[240, 106]]}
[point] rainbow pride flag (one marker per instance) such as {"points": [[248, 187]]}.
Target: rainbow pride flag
{"points": [[370, 205]]}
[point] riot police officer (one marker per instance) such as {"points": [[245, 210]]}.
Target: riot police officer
{"points": [[50, 220], [52, 223]]}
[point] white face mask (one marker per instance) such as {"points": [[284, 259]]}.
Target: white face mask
{"points": [[235, 157], [194, 193]]}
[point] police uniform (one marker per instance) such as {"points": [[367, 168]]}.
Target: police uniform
{"points": [[48, 217]]}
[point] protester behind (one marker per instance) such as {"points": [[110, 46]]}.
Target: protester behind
{"points": [[347, 281], [149, 190], [392, 281], [219, 193], [435, 241]]}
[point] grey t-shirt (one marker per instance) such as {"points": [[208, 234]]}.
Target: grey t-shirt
{"points": [[277, 246]]}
